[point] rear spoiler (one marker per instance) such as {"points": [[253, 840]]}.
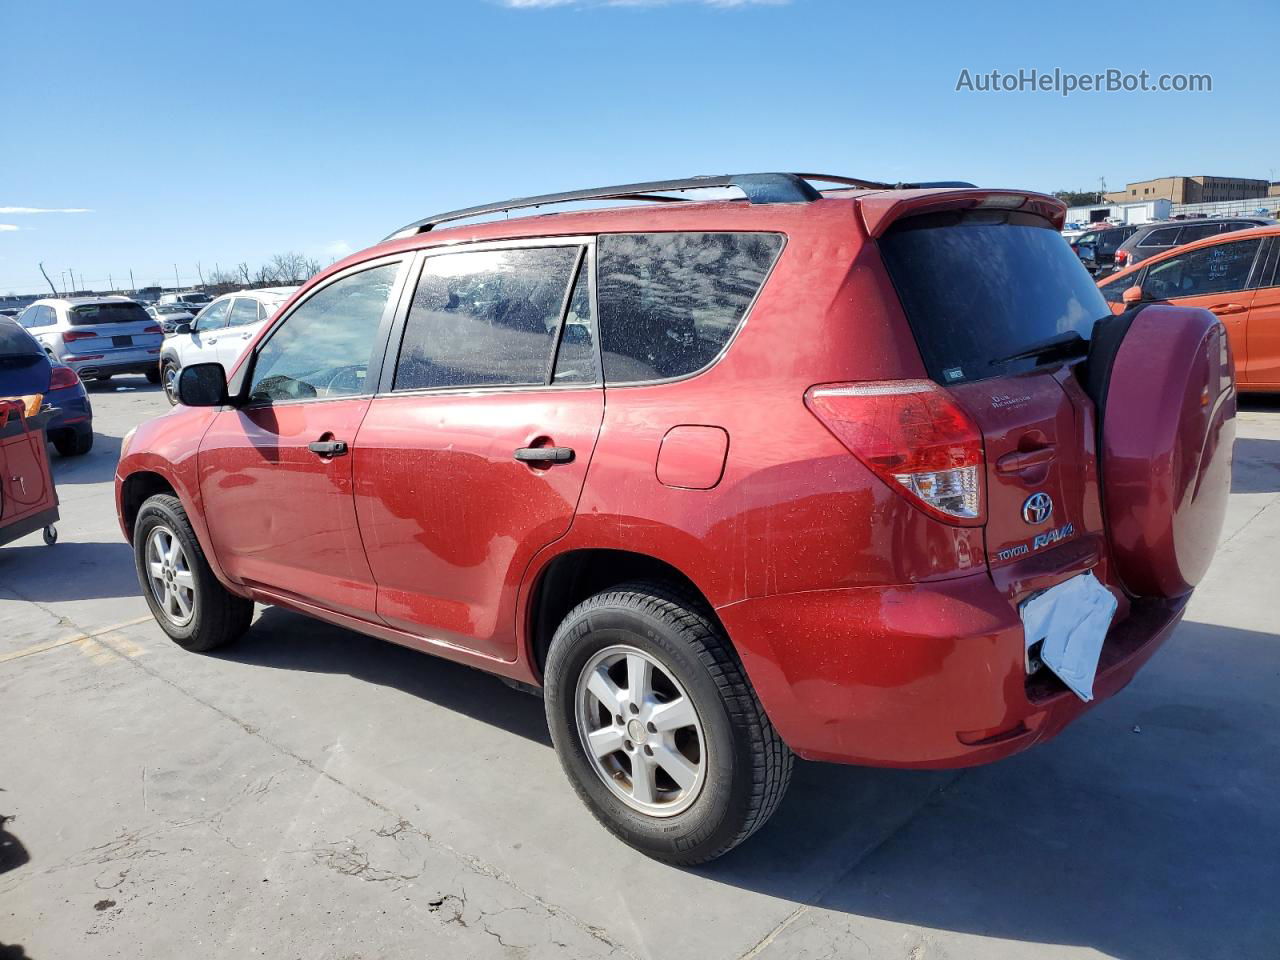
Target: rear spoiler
{"points": [[880, 210]]}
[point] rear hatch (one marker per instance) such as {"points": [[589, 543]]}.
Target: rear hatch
{"points": [[111, 329], [1001, 310]]}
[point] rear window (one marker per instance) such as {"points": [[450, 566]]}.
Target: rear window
{"points": [[670, 302], [980, 286], [91, 313], [16, 342]]}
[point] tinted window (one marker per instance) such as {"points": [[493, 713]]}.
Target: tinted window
{"points": [[1198, 232], [485, 318], [1166, 237], [669, 302], [324, 347], [980, 286], [92, 313], [576, 360], [1217, 269], [243, 311], [213, 317], [16, 342], [1110, 240], [1113, 290]]}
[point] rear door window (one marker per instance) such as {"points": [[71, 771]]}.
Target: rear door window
{"points": [[670, 302], [980, 286], [1221, 268], [486, 318], [1165, 237], [1199, 231]]}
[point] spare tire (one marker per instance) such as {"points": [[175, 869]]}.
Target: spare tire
{"points": [[1162, 379]]}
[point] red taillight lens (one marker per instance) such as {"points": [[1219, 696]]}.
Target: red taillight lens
{"points": [[152, 330], [70, 335], [1121, 257], [914, 436], [62, 378]]}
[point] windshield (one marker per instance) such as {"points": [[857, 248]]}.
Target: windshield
{"points": [[91, 313], [978, 286]]}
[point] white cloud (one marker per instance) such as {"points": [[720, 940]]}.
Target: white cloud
{"points": [[8, 226], [722, 4], [45, 210]]}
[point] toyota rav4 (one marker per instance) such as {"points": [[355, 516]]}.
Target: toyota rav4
{"points": [[867, 474]]}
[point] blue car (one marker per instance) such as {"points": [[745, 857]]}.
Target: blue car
{"points": [[26, 368]]}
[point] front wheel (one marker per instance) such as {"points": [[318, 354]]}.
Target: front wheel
{"points": [[191, 606], [169, 377], [657, 727]]}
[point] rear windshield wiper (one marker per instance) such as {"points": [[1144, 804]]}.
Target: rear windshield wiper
{"points": [[1059, 347]]}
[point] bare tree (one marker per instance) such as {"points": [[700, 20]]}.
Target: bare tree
{"points": [[223, 278]]}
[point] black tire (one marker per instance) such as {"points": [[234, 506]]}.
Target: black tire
{"points": [[103, 377], [167, 367], [749, 766], [153, 376], [73, 442], [218, 617]]}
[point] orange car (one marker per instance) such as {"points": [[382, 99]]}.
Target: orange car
{"points": [[1231, 274]]}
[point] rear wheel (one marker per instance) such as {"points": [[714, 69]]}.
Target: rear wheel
{"points": [[73, 442], [191, 606], [657, 727], [153, 376]]}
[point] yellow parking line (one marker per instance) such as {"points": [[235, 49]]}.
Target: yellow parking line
{"points": [[78, 638]]}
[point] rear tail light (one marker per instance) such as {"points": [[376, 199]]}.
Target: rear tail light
{"points": [[69, 335], [1121, 257], [912, 435], [62, 378], [153, 329]]}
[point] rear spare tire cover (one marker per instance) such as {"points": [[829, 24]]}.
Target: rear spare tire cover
{"points": [[1168, 424]]}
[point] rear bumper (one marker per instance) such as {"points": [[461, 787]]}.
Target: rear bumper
{"points": [[74, 410], [114, 365], [918, 675]]}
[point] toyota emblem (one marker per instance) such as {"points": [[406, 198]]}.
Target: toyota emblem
{"points": [[1037, 509]]}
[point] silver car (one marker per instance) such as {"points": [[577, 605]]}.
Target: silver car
{"points": [[97, 336]]}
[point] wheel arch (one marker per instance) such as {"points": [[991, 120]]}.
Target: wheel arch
{"points": [[135, 490], [574, 575]]}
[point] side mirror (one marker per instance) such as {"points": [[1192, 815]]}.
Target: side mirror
{"points": [[184, 327], [1132, 295], [202, 385]]}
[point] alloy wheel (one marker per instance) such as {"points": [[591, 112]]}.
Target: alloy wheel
{"points": [[169, 574], [641, 731]]}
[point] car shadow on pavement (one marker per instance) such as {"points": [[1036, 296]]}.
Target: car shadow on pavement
{"points": [[290, 641], [69, 571], [1255, 466], [1148, 831], [122, 384], [96, 466]]}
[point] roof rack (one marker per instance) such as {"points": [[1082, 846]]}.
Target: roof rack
{"points": [[758, 188]]}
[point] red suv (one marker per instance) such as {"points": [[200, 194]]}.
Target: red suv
{"points": [[868, 475]]}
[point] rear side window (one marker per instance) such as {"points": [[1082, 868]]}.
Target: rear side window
{"points": [[670, 302], [980, 286], [1166, 237], [38, 316], [88, 314], [243, 311], [1199, 232], [486, 318]]}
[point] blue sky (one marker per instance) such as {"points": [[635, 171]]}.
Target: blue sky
{"points": [[229, 131]]}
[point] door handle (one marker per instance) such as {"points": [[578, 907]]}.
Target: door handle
{"points": [[545, 455], [1226, 309], [328, 448], [1019, 461]]}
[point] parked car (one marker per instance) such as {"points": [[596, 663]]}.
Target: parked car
{"points": [[170, 315], [1159, 237], [10, 311], [98, 337], [1233, 275], [193, 300], [851, 475], [1097, 248], [25, 368], [147, 294], [219, 333]]}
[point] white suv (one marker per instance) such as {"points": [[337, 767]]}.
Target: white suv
{"points": [[219, 333]]}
